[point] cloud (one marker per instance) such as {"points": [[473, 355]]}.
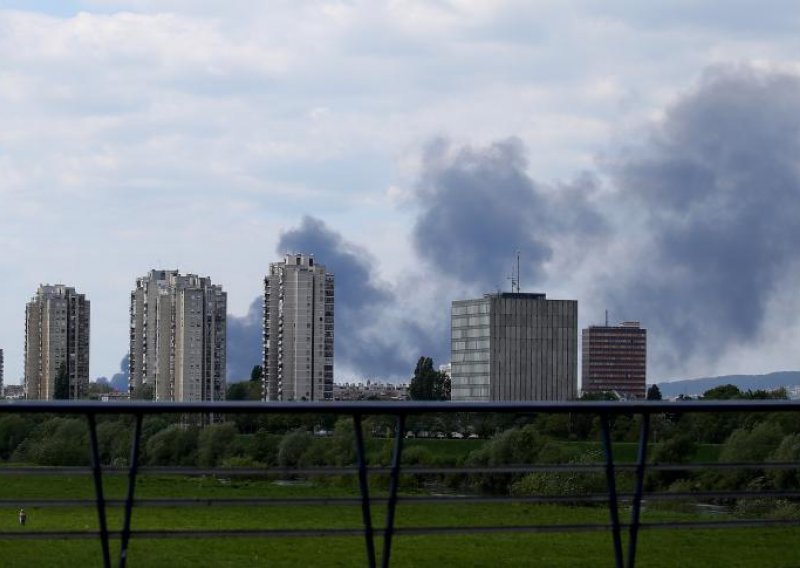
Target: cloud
{"points": [[714, 194], [478, 206]]}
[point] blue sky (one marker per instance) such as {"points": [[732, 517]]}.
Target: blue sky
{"points": [[193, 134]]}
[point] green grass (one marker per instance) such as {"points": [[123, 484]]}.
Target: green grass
{"points": [[658, 548]]}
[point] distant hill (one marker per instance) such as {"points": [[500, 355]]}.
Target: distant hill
{"points": [[691, 387]]}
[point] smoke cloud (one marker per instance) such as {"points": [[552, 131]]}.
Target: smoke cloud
{"points": [[371, 340], [718, 188], [244, 342], [693, 232], [479, 206]]}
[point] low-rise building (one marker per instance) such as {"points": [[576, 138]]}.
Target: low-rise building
{"points": [[370, 390]]}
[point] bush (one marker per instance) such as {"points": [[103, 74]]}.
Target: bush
{"points": [[175, 445], [574, 483], [215, 443], [13, 431], [292, 447], [56, 442]]}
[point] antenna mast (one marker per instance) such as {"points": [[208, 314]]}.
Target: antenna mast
{"points": [[515, 277]]}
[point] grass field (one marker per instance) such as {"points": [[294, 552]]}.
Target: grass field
{"points": [[730, 547]]}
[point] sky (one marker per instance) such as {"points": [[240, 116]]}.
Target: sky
{"points": [[643, 158]]}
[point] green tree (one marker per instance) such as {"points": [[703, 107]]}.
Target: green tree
{"points": [[654, 393], [96, 390], [58, 441], [174, 445], [13, 431], [257, 373], [215, 443], [61, 386], [245, 390], [723, 392], [293, 446], [428, 383]]}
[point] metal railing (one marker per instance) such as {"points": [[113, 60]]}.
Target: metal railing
{"points": [[362, 470]]}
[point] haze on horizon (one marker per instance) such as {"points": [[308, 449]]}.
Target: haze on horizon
{"points": [[642, 159]]}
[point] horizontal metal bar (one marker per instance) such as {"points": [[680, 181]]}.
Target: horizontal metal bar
{"points": [[409, 531], [396, 408], [284, 533], [410, 499], [413, 470]]}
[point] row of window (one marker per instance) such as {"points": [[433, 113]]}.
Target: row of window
{"points": [[469, 356], [470, 321], [470, 332], [471, 309], [464, 368], [472, 344]]}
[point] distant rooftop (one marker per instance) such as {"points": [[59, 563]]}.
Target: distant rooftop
{"points": [[521, 295]]}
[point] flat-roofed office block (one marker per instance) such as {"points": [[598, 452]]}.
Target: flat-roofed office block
{"points": [[514, 346], [615, 359]]}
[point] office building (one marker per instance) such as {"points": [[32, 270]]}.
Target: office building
{"points": [[615, 360], [298, 330], [514, 346], [177, 338], [56, 344]]}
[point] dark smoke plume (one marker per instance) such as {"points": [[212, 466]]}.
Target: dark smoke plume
{"points": [[244, 342], [364, 343], [718, 189], [479, 206]]}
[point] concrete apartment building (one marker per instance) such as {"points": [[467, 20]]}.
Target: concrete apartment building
{"points": [[177, 338], [1, 373], [615, 359], [514, 346], [56, 340], [298, 330]]}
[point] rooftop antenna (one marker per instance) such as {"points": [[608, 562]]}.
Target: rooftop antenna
{"points": [[515, 278], [606, 318]]}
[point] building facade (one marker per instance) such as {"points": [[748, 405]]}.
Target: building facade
{"points": [[514, 346], [57, 344], [1, 372], [615, 360], [298, 330], [177, 338]]}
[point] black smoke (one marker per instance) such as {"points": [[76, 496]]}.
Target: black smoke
{"points": [[717, 188], [244, 342], [119, 382], [479, 206], [365, 341]]}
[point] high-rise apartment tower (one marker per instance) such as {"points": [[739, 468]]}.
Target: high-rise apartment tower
{"points": [[514, 346], [1, 372], [298, 330], [615, 359], [177, 342], [56, 344]]}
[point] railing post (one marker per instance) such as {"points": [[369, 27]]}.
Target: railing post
{"points": [[364, 487], [132, 469], [394, 482], [98, 489], [613, 507], [641, 461]]}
